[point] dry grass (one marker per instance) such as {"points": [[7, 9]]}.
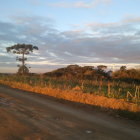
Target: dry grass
{"points": [[77, 96]]}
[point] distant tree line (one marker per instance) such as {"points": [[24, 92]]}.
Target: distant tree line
{"points": [[127, 75], [76, 71], [99, 72]]}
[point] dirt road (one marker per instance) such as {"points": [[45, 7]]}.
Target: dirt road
{"points": [[30, 116]]}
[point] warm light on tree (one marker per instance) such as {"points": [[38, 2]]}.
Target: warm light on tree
{"points": [[22, 49]]}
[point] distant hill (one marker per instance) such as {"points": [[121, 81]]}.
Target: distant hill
{"points": [[76, 71]]}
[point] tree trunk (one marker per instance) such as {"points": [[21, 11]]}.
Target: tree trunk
{"points": [[23, 62]]}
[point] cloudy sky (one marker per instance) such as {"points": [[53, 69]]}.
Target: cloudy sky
{"points": [[84, 32]]}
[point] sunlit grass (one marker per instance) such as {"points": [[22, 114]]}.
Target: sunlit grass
{"points": [[87, 92]]}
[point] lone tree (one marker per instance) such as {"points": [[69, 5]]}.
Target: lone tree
{"points": [[123, 68], [102, 67], [22, 49]]}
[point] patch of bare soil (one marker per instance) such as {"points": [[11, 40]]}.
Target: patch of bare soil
{"points": [[28, 116], [14, 125]]}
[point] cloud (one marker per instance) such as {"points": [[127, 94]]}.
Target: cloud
{"points": [[131, 20], [99, 43], [137, 33], [81, 4], [35, 2], [127, 26]]}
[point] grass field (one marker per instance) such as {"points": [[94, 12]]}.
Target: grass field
{"points": [[108, 94], [109, 88]]}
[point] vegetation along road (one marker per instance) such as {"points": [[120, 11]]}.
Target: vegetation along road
{"points": [[30, 116]]}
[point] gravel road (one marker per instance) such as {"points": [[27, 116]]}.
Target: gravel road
{"points": [[31, 116]]}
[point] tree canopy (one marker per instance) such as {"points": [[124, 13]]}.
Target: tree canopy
{"points": [[102, 67], [21, 48]]}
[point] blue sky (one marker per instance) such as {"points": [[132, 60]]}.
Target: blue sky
{"points": [[85, 32], [66, 14]]}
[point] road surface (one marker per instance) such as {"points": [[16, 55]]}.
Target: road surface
{"points": [[31, 116]]}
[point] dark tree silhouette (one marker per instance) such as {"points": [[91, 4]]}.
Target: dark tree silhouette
{"points": [[123, 68], [22, 49], [102, 67]]}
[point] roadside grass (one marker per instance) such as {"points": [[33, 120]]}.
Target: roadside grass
{"points": [[119, 113], [85, 92], [112, 89], [72, 94]]}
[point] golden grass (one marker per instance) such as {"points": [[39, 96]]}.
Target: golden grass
{"points": [[77, 96]]}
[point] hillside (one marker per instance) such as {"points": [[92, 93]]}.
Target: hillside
{"points": [[76, 71]]}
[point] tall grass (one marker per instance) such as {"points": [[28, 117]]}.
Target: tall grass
{"points": [[108, 94], [111, 89]]}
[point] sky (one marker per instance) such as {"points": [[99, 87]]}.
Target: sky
{"points": [[83, 32]]}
